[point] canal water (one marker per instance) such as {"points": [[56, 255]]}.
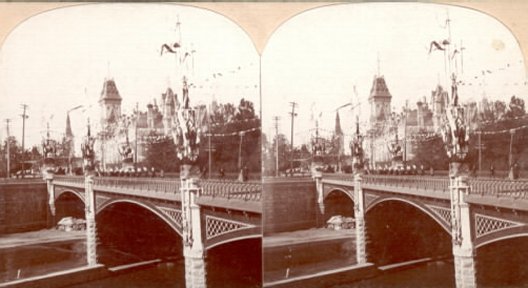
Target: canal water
{"points": [[500, 266]]}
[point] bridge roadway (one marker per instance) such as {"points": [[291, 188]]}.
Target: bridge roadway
{"points": [[501, 193], [229, 194]]}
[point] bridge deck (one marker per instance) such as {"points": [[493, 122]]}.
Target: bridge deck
{"points": [[484, 191]]}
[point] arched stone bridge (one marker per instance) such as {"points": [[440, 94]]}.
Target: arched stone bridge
{"points": [[229, 210], [498, 208], [474, 212]]}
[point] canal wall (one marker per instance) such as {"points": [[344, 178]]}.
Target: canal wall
{"points": [[62, 278], [289, 205], [23, 206]]}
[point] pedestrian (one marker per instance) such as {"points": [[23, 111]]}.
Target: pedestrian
{"points": [[431, 171], [492, 170], [162, 173], [222, 173]]}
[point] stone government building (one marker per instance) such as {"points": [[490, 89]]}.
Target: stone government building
{"points": [[412, 123], [157, 119]]}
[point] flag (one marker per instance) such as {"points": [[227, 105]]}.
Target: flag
{"points": [[169, 48], [436, 46], [454, 53]]}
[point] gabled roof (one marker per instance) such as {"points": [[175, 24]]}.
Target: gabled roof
{"points": [[110, 91], [379, 88]]}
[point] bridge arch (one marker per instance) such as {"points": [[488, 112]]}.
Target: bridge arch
{"points": [[518, 233], [338, 201], [393, 223], [256, 235], [445, 225], [69, 203], [150, 207], [244, 256], [61, 192]]}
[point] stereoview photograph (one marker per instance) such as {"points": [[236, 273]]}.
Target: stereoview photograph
{"points": [[394, 149], [131, 149]]}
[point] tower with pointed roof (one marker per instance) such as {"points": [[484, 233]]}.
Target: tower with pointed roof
{"points": [[339, 137], [380, 101], [169, 103], [339, 134], [110, 102], [69, 135]]}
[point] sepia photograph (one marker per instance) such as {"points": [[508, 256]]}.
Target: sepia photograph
{"points": [[259, 144], [132, 149], [394, 139]]}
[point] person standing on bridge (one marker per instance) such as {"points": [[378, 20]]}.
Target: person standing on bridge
{"points": [[492, 170]]}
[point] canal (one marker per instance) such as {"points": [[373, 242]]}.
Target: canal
{"points": [[497, 266]]}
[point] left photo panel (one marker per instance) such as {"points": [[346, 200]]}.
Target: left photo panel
{"points": [[130, 149]]}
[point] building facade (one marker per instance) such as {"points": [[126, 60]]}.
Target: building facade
{"points": [[390, 129]]}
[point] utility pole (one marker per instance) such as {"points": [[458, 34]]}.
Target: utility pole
{"points": [[136, 132], [292, 114], [24, 117], [240, 150], [276, 120], [7, 144], [405, 133]]}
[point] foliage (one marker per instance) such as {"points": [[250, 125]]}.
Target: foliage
{"points": [[17, 157], [228, 145], [431, 153], [161, 153]]}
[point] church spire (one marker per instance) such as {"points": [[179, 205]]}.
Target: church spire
{"points": [[68, 133], [338, 130]]}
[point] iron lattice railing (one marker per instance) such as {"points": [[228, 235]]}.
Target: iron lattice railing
{"points": [[247, 191], [517, 189]]}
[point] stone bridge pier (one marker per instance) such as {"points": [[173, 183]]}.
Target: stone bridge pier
{"points": [[193, 250], [461, 233]]}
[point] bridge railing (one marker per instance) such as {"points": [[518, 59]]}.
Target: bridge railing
{"points": [[517, 189], [415, 182], [150, 185], [248, 191]]}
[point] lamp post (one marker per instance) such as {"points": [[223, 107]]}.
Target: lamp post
{"points": [[88, 154], [456, 139], [358, 159], [186, 137]]}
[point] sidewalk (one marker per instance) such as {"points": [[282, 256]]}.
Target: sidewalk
{"points": [[38, 237]]}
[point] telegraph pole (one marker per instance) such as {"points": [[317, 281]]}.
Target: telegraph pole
{"points": [[405, 133], [7, 144], [292, 114], [24, 117], [136, 132], [276, 120]]}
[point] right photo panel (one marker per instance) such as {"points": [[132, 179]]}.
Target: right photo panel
{"points": [[394, 149]]}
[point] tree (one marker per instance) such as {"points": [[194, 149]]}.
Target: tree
{"points": [[431, 153], [235, 137], [161, 153], [515, 108], [17, 156]]}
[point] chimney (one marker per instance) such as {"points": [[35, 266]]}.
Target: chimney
{"points": [[150, 116]]}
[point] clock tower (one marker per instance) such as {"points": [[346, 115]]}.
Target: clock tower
{"points": [[110, 102]]}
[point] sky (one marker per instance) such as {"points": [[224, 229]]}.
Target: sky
{"points": [[317, 58], [59, 59]]}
